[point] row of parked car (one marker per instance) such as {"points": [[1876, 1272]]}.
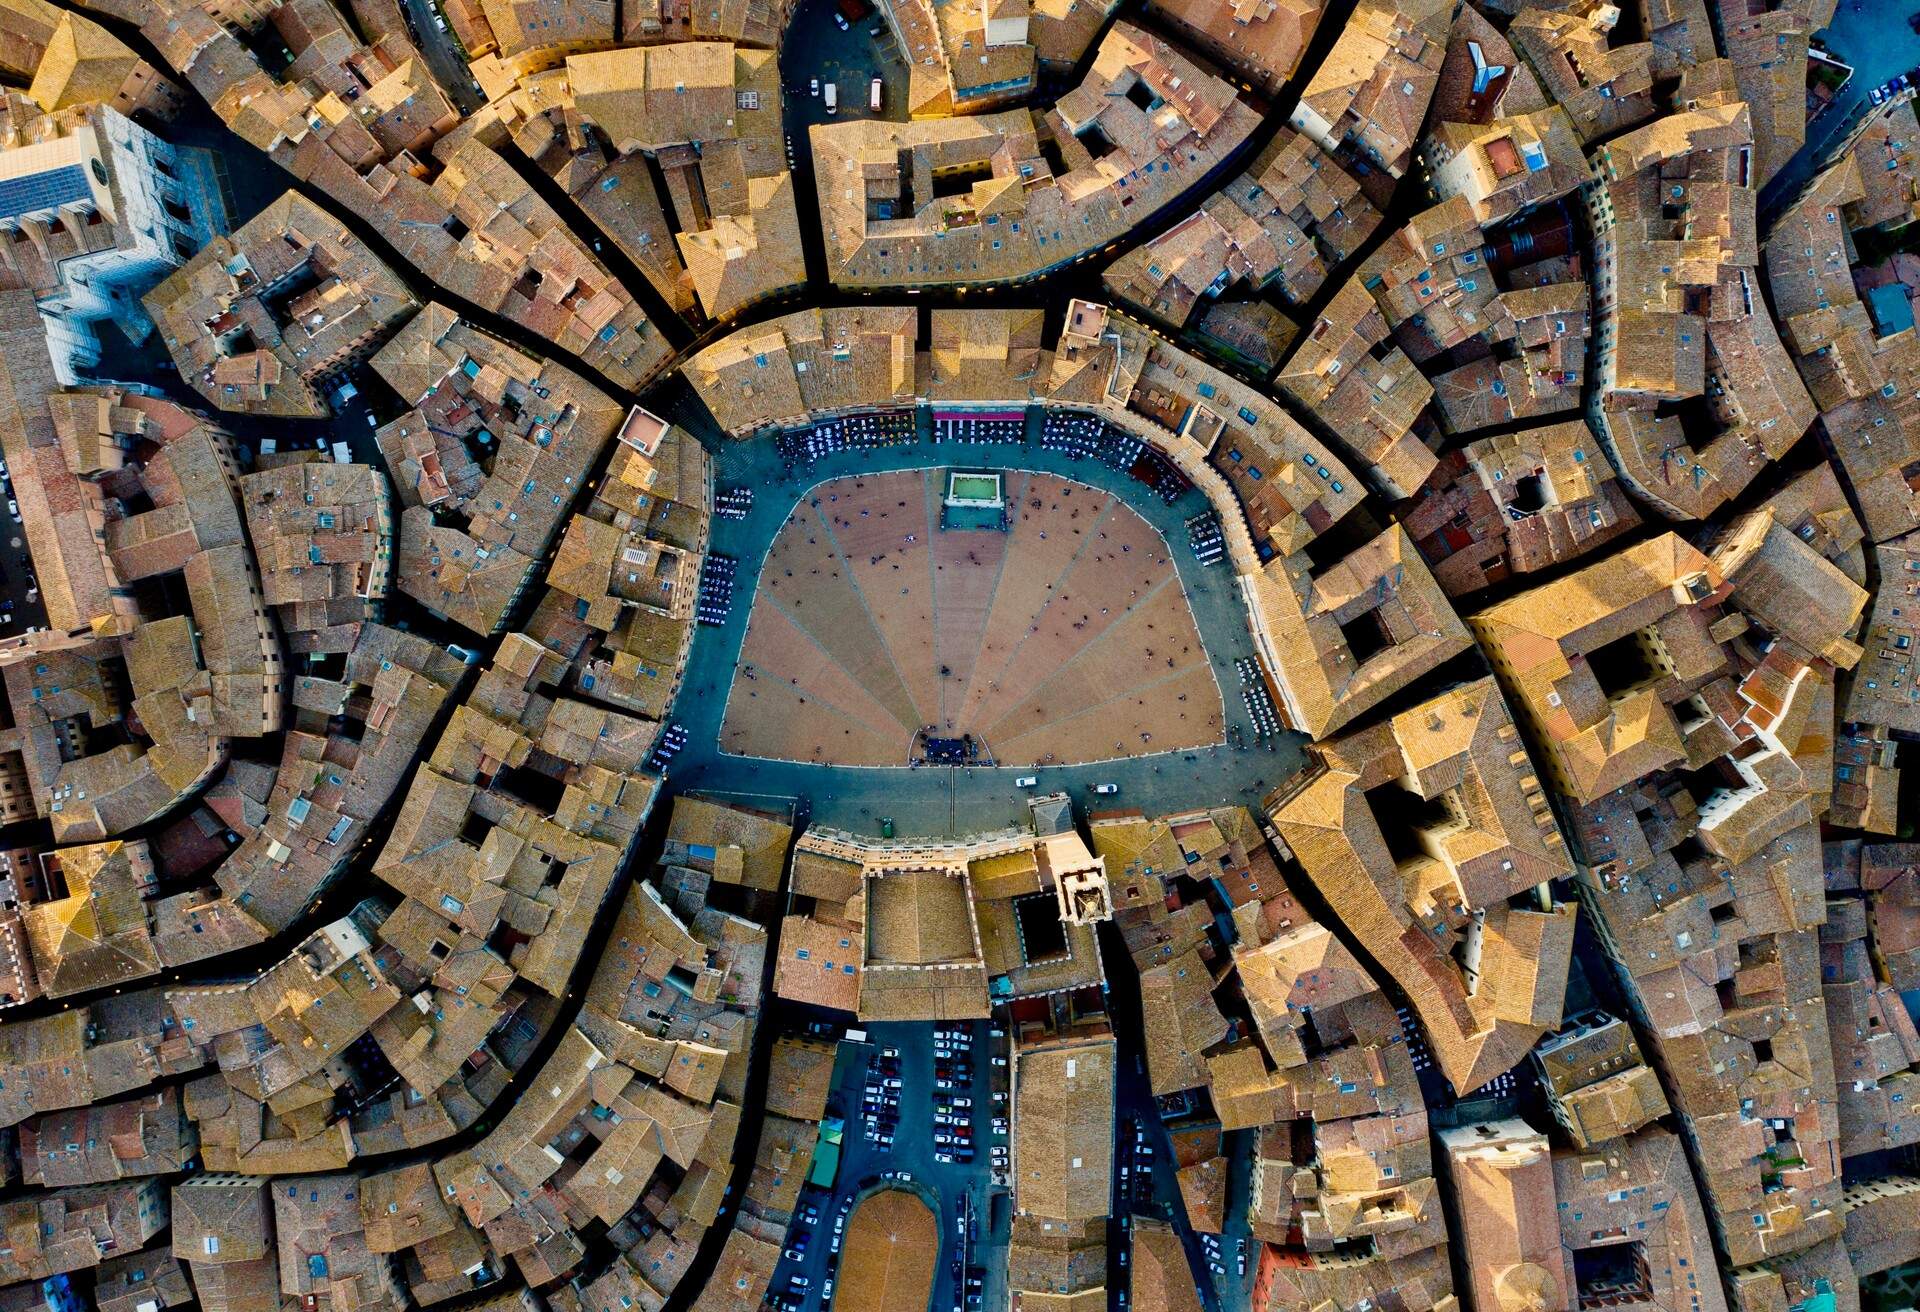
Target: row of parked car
{"points": [[794, 1294], [955, 1113], [1212, 1246], [880, 1101]]}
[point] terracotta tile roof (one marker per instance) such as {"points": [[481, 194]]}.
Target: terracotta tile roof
{"points": [[1517, 503], [214, 311], [890, 1253], [1413, 890], [1323, 684], [1374, 85], [1062, 1127], [1018, 219]]}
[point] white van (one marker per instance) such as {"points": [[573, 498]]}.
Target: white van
{"points": [[831, 93], [1027, 781]]}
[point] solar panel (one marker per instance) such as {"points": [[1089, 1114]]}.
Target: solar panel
{"points": [[43, 191]]}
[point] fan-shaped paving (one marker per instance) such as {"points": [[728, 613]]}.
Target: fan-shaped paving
{"points": [[1066, 638]]}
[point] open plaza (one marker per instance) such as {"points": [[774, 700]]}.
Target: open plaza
{"points": [[1063, 638]]}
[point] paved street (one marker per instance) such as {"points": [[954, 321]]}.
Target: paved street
{"points": [[1146, 1183], [973, 1231], [1878, 42], [954, 801], [21, 607], [817, 48], [443, 54]]}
